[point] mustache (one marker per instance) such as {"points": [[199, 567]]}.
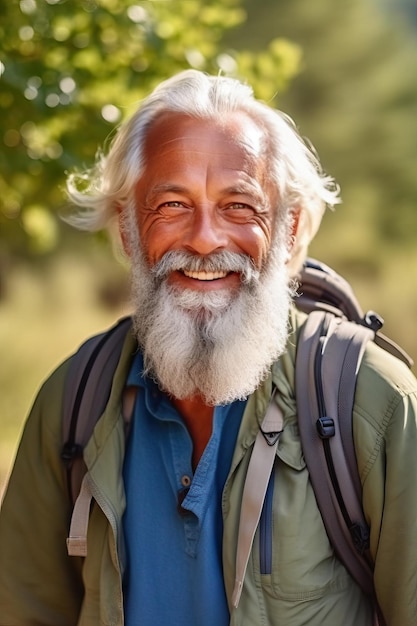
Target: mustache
{"points": [[177, 260]]}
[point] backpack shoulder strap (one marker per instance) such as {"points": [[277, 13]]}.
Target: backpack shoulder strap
{"points": [[86, 392], [323, 289], [259, 471], [329, 353]]}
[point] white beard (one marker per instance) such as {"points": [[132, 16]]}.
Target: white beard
{"points": [[219, 344]]}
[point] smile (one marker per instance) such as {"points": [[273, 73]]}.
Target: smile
{"points": [[205, 275]]}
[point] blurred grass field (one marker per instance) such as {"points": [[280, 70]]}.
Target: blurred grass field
{"points": [[46, 315], [43, 318]]}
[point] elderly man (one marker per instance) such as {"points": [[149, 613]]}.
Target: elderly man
{"points": [[217, 198]]}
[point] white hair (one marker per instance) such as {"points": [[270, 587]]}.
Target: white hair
{"points": [[294, 167]]}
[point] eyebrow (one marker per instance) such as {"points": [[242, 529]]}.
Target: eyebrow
{"points": [[243, 189], [162, 187], [255, 193]]}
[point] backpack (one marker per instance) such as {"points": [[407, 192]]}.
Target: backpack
{"points": [[329, 351]]}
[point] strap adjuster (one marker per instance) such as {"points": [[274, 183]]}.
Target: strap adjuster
{"points": [[325, 427], [271, 437]]}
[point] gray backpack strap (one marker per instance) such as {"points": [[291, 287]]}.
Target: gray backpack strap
{"points": [[329, 353], [322, 289], [86, 392]]}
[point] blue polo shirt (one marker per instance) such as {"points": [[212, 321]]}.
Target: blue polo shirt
{"points": [[174, 573]]}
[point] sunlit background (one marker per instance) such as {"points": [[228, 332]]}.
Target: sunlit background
{"points": [[70, 72]]}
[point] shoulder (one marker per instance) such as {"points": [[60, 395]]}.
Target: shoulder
{"points": [[48, 405], [386, 389], [385, 411], [383, 382], [381, 377], [47, 408]]}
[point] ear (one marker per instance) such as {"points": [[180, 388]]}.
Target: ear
{"points": [[122, 230], [295, 219]]}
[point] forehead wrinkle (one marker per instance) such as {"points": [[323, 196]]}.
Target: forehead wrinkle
{"points": [[185, 138], [253, 148], [248, 153]]}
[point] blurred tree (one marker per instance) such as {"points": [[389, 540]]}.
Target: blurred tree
{"points": [[356, 99], [69, 73], [407, 7]]}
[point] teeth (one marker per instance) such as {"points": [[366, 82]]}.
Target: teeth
{"points": [[205, 275]]}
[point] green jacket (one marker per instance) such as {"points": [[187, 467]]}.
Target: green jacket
{"points": [[304, 584]]}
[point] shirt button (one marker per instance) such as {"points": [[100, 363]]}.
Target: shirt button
{"points": [[185, 481]]}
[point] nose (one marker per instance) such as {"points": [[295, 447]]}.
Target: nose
{"points": [[206, 233]]}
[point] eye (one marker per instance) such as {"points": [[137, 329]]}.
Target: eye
{"points": [[172, 203], [240, 210], [171, 208]]}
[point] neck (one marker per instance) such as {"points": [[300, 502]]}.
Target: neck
{"points": [[198, 418]]}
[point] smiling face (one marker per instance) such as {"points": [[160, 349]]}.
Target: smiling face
{"points": [[204, 190], [210, 287]]}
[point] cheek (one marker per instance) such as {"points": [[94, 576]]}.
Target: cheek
{"points": [[257, 243], [157, 238]]}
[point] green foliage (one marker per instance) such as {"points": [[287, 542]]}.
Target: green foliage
{"points": [[70, 72]]}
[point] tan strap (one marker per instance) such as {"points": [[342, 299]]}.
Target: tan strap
{"points": [[77, 540], [254, 491]]}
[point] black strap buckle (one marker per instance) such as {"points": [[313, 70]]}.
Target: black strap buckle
{"points": [[325, 427], [71, 451], [360, 537]]}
